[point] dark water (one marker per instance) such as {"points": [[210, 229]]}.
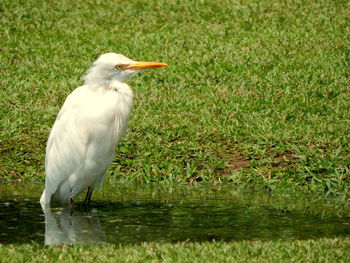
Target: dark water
{"points": [[143, 217]]}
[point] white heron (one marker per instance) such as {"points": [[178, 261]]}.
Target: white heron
{"points": [[88, 127]]}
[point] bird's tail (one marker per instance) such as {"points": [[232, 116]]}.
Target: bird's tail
{"points": [[45, 200]]}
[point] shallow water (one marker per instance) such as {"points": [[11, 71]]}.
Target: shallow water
{"points": [[137, 214]]}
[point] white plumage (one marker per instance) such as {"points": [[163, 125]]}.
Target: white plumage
{"points": [[88, 127]]}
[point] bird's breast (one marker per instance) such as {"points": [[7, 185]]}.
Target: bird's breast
{"points": [[105, 119]]}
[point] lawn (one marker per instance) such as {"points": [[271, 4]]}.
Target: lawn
{"points": [[256, 95], [323, 250]]}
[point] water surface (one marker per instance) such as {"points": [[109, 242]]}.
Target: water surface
{"points": [[131, 214]]}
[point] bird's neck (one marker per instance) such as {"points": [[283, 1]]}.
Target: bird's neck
{"points": [[116, 85], [102, 84], [109, 86], [97, 79]]}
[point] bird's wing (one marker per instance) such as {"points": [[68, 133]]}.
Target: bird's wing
{"points": [[66, 147], [67, 107]]}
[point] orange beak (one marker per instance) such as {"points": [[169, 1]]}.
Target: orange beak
{"points": [[145, 65]]}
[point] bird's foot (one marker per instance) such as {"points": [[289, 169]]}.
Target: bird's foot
{"points": [[88, 197], [71, 203]]}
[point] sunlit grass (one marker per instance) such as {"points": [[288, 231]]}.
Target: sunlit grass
{"points": [[322, 250], [258, 81]]}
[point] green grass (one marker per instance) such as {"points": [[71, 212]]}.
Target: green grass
{"points": [[323, 250], [260, 82], [257, 95]]}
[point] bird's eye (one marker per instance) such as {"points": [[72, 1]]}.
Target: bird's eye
{"points": [[119, 67]]}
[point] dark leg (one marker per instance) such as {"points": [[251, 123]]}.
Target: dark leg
{"points": [[70, 206], [88, 196]]}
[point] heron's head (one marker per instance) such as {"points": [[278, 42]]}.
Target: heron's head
{"points": [[112, 66]]}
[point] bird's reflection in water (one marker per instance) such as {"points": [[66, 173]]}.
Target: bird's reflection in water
{"points": [[66, 226]]}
